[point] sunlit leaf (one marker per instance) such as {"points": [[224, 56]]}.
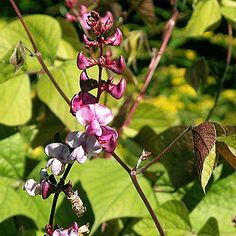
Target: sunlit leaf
{"points": [[174, 218], [12, 157], [220, 203], [46, 33], [226, 146], [66, 76], [204, 138], [206, 14], [15, 108]]}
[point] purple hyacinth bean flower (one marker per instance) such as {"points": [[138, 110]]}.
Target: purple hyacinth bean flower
{"points": [[108, 139], [85, 62], [117, 66], [117, 90], [93, 116], [114, 40]]}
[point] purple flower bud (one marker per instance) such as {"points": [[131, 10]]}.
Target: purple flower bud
{"points": [[81, 99], [87, 84], [114, 40], [108, 139], [32, 187], [89, 42], [107, 21], [84, 62], [47, 189], [117, 90], [116, 66]]}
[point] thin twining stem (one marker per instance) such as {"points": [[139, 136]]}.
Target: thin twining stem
{"points": [[222, 79], [142, 169], [56, 195], [38, 54], [152, 67], [133, 175]]}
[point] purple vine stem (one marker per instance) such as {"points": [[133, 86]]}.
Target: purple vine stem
{"points": [[152, 67]]}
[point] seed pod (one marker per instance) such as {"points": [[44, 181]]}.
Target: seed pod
{"points": [[17, 58], [77, 204]]}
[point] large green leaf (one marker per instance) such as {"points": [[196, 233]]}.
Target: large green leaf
{"points": [[46, 33], [149, 114], [220, 203], [12, 157], [174, 219], [15, 108], [66, 76], [110, 191], [206, 14], [228, 10]]}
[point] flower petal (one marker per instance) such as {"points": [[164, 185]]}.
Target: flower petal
{"points": [[94, 128], [57, 166], [91, 145], [114, 40], [32, 187], [85, 114], [75, 139], [79, 155], [103, 114], [57, 150]]}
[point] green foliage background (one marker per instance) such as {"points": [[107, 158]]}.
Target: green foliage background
{"points": [[181, 94]]}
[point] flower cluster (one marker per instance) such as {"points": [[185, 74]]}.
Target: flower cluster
{"points": [[85, 107]]}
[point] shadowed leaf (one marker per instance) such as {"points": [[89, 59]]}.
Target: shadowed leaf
{"points": [[179, 160], [197, 73], [146, 10], [204, 138], [226, 146]]}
